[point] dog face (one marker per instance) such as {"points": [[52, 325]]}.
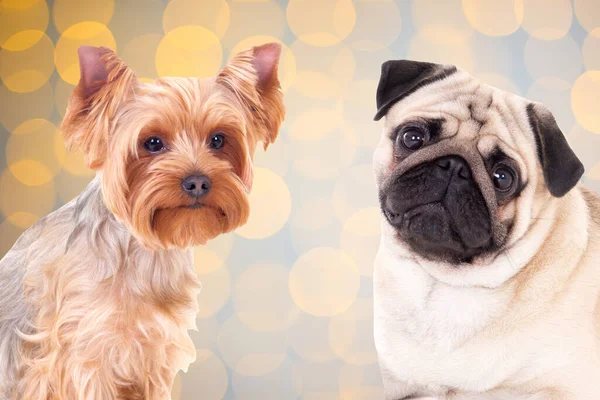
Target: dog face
{"points": [[463, 168], [175, 155]]}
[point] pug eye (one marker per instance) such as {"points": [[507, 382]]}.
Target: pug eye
{"points": [[154, 144], [503, 179], [413, 139], [217, 141]]}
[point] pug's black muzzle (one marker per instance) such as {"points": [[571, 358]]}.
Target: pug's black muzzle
{"points": [[438, 209]]}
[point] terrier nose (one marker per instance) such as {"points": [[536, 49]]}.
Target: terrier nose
{"points": [[196, 185], [454, 166]]}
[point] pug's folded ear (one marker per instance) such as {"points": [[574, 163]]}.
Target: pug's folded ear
{"points": [[400, 78], [562, 169]]}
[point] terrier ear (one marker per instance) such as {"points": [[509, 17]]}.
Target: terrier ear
{"points": [[562, 169], [105, 83], [252, 76], [400, 78]]}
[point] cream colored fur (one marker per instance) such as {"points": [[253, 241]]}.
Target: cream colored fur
{"points": [[520, 324]]}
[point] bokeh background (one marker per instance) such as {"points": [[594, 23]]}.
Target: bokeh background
{"points": [[286, 310]]}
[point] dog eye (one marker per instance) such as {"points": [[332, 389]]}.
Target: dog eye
{"points": [[217, 141], [413, 139], [503, 179], [154, 144]]}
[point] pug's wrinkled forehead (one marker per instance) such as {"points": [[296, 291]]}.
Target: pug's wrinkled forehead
{"points": [[452, 106]]}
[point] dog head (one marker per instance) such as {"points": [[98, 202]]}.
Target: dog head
{"points": [[462, 168], [175, 155]]}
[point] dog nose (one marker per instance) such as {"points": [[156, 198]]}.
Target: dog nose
{"points": [[454, 165], [196, 185]]}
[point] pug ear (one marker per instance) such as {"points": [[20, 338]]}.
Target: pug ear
{"points": [[400, 78], [105, 83], [562, 169]]}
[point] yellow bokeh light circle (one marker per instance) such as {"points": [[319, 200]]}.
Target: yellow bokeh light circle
{"points": [[308, 337], [324, 281], [499, 81], [494, 17], [270, 205], [216, 288], [360, 238], [70, 186], [559, 58], [351, 333], [189, 51], [591, 50], [22, 23], [262, 300], [547, 19], [207, 375], [321, 22], [287, 62], [140, 54], [378, 25], [9, 233], [212, 14], [358, 110], [313, 222], [554, 92], [319, 380], [212, 255], [84, 33], [264, 18], [29, 68], [442, 14], [70, 12], [594, 172], [360, 382], [276, 157], [249, 352], [442, 46], [22, 220], [19, 107], [588, 13], [15, 196], [585, 100], [323, 72], [35, 152]]}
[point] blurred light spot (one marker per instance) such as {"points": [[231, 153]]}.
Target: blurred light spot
{"points": [[276, 157], [360, 382], [20, 107], [15, 196], [594, 172], [591, 50], [351, 333], [28, 68], [494, 17], [206, 376], [378, 25], [22, 220], [360, 238], [354, 190], [83, 33], [35, 152], [499, 81], [71, 12], [547, 19], [212, 14], [319, 380], [585, 100], [189, 51], [17, 16], [554, 93], [212, 255], [442, 46], [262, 300], [324, 281], [287, 63], [265, 18], [135, 18], [321, 22], [9, 233], [559, 58], [216, 288], [271, 204], [442, 14], [308, 337], [70, 186], [73, 163], [249, 352], [359, 109], [588, 14], [62, 94], [140, 55]]}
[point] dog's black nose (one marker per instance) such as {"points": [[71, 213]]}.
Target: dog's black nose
{"points": [[454, 165], [196, 185]]}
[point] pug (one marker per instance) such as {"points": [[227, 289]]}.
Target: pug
{"points": [[487, 279]]}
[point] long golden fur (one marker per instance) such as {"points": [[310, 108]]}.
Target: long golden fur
{"points": [[96, 298]]}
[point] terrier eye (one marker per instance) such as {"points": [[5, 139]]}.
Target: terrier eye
{"points": [[217, 141], [154, 144]]}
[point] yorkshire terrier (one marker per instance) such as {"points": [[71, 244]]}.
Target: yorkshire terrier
{"points": [[97, 297]]}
